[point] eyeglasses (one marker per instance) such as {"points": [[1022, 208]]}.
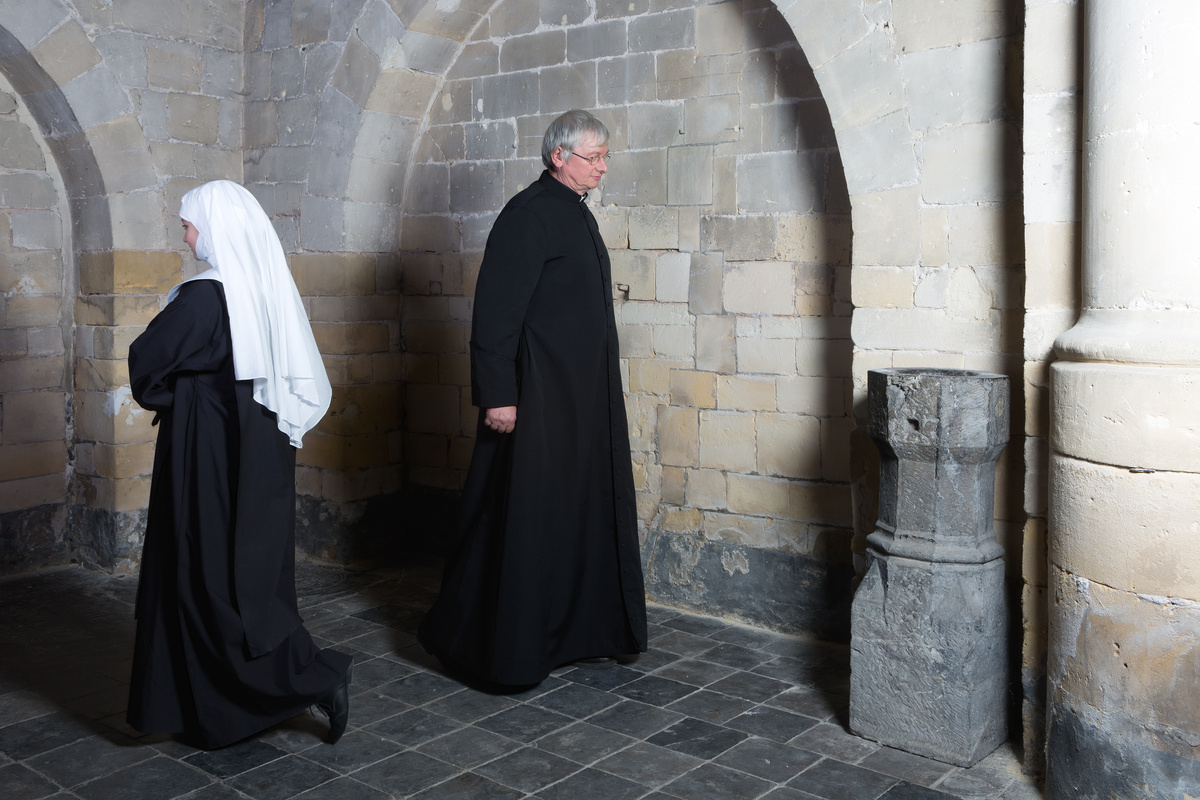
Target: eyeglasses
{"points": [[596, 159]]}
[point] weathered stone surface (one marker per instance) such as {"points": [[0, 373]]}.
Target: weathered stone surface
{"points": [[781, 591], [929, 667]]}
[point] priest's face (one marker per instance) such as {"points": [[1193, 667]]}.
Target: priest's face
{"points": [[190, 235], [576, 169]]}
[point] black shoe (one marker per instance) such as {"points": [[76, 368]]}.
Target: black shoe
{"points": [[337, 707], [603, 662]]}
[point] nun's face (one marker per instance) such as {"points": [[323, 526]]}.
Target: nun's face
{"points": [[190, 235]]}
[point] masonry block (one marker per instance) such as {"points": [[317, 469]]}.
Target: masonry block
{"points": [[724, 440], [129, 272], [173, 65], [30, 417], [622, 81], [32, 460], [740, 238], [27, 189], [25, 312], [715, 344], [533, 50], [758, 495], [193, 118], [669, 30], [635, 269], [690, 176], [789, 445], [746, 393], [765, 287], [678, 436], [694, 389], [66, 53]]}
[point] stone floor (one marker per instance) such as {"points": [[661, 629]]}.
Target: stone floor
{"points": [[713, 710]]}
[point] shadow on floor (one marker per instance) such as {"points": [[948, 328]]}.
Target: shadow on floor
{"points": [[713, 710]]}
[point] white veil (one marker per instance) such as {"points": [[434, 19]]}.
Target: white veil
{"points": [[273, 343]]}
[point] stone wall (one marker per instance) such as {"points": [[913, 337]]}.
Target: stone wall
{"points": [[726, 217], [1051, 144], [34, 337]]}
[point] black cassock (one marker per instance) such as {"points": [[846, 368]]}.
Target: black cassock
{"points": [[547, 569], [220, 652]]}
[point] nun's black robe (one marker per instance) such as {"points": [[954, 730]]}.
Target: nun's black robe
{"points": [[220, 652], [547, 569]]}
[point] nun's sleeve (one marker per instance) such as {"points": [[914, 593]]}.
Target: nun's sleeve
{"points": [[512, 265], [184, 337]]}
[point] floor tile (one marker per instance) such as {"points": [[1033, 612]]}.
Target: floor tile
{"points": [[37, 735], [711, 782], [469, 706], [419, 688], [711, 706], [697, 673], [411, 728], [355, 750], [592, 784], [833, 780], [648, 764], [374, 672], [732, 655], [910, 791], [528, 769], [90, 758], [525, 723], [701, 626], [749, 686], [281, 779], [832, 740], [342, 789], [771, 723], [635, 719], [22, 783], [603, 679], [768, 760], [469, 787], [158, 778], [235, 759], [810, 703], [406, 773], [469, 747], [652, 660], [906, 766], [371, 706], [654, 690], [584, 743], [576, 700], [697, 738], [682, 643]]}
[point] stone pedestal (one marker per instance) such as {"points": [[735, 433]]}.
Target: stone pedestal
{"points": [[928, 654]]}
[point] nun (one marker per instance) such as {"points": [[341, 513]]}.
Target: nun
{"points": [[232, 373]]}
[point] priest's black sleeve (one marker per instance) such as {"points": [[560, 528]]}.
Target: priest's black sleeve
{"points": [[512, 265], [178, 340]]}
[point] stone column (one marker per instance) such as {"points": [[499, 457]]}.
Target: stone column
{"points": [[1124, 648], [928, 649]]}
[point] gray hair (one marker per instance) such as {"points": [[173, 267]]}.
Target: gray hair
{"points": [[568, 131]]}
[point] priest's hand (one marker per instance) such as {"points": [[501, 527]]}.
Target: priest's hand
{"points": [[501, 420]]}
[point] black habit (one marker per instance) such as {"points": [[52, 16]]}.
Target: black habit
{"points": [[547, 569], [220, 652]]}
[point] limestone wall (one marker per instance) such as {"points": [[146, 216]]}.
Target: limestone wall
{"points": [[34, 340], [1051, 145]]}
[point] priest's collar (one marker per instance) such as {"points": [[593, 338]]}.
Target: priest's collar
{"points": [[559, 189]]}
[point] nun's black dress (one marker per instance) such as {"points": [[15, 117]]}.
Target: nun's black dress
{"points": [[221, 652], [548, 568]]}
